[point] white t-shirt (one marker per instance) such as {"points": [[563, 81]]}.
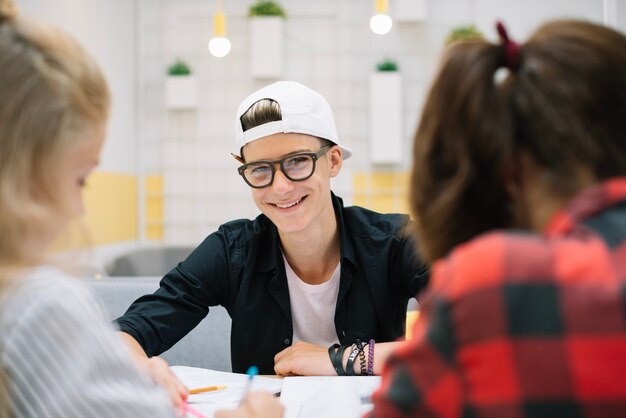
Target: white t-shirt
{"points": [[313, 308]]}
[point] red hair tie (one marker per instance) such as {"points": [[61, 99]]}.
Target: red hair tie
{"points": [[511, 48]]}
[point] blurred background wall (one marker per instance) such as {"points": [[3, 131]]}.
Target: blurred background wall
{"points": [[167, 177]]}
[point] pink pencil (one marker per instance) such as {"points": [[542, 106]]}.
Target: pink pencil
{"points": [[192, 411]]}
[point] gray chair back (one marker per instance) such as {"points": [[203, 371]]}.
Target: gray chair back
{"points": [[207, 345], [148, 261]]}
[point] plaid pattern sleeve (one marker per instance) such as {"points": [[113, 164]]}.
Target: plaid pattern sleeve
{"points": [[521, 325], [420, 378]]}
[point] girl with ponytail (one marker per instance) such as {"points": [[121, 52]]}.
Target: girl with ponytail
{"points": [[519, 194]]}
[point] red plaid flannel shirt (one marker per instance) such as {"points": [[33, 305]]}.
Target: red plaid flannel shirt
{"points": [[523, 325]]}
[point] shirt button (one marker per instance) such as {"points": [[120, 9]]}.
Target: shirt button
{"points": [[286, 341]]}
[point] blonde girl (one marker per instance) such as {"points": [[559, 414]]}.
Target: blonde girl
{"points": [[58, 357]]}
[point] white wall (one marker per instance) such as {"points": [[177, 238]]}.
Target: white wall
{"points": [[107, 30], [620, 5], [522, 17], [328, 46]]}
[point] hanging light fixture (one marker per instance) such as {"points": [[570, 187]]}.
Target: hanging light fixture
{"points": [[381, 23], [219, 45]]}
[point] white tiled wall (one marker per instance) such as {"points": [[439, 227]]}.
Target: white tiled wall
{"points": [[328, 46]]}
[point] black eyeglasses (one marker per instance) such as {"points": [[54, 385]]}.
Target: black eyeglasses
{"points": [[296, 167]]}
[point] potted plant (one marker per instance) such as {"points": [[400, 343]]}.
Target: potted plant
{"points": [[266, 39], [179, 67], [266, 8], [464, 33], [387, 65], [181, 87], [385, 100]]}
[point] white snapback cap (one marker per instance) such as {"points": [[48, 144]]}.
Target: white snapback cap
{"points": [[303, 110]]}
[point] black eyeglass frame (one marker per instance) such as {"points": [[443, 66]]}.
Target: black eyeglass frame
{"points": [[281, 162]]}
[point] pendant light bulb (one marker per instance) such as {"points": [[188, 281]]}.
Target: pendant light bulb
{"points": [[381, 23], [219, 45]]}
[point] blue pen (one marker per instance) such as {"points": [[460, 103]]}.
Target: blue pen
{"points": [[252, 371]]}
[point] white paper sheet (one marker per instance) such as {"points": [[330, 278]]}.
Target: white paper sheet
{"points": [[328, 396], [207, 403]]}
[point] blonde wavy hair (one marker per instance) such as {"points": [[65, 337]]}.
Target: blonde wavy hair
{"points": [[53, 95]]}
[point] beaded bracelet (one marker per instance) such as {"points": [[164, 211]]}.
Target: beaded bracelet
{"points": [[370, 358]]}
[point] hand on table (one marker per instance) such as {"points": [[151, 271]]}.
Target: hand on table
{"points": [[303, 359], [161, 373], [256, 405]]}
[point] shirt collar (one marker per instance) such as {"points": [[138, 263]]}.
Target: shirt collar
{"points": [[346, 245], [586, 204]]}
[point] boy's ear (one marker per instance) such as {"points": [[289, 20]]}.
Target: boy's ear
{"points": [[335, 160]]}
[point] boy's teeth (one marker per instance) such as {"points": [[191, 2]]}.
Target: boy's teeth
{"points": [[290, 205]]}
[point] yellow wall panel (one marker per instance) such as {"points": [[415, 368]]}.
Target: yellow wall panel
{"points": [[382, 180], [402, 203], [360, 200], [382, 203], [154, 209], [154, 183], [360, 182], [154, 232], [111, 213], [111, 204], [154, 206], [403, 180], [382, 191]]}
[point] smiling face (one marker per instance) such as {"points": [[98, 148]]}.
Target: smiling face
{"points": [[295, 206]]}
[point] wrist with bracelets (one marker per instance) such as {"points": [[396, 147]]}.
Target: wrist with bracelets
{"points": [[370, 358], [336, 351]]}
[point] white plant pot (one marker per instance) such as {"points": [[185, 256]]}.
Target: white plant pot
{"points": [[181, 92], [410, 10], [385, 118], [266, 46]]}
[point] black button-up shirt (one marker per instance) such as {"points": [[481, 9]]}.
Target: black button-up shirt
{"points": [[241, 268]]}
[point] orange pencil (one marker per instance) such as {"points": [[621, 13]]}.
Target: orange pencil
{"points": [[206, 389]]}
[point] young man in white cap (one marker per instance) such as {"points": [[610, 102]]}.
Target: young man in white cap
{"points": [[308, 283]]}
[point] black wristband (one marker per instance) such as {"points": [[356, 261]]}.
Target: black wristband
{"points": [[331, 353], [335, 352]]}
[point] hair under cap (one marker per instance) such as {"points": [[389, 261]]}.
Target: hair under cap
{"points": [[303, 110]]}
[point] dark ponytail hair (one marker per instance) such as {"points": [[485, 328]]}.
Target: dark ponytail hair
{"points": [[462, 144], [564, 105]]}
